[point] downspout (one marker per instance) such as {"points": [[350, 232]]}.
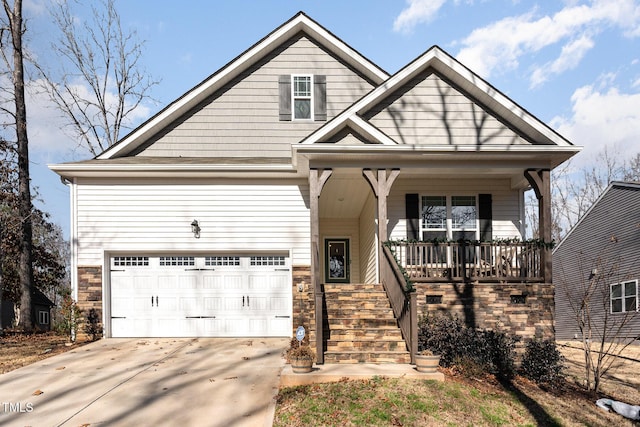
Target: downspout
{"points": [[73, 234]]}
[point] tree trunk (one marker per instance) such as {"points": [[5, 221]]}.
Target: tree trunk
{"points": [[24, 205]]}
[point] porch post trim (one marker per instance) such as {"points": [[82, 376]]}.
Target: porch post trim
{"points": [[381, 186], [317, 180], [540, 180]]}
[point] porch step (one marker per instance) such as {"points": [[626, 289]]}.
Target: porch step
{"points": [[361, 326]]}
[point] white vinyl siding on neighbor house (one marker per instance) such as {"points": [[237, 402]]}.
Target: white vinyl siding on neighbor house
{"points": [[434, 113], [244, 119], [506, 207], [238, 215]]}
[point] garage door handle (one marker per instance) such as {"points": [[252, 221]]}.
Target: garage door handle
{"points": [[200, 317], [118, 317], [243, 300], [280, 269], [283, 317], [199, 269]]}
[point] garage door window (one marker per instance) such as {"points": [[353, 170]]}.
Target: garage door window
{"points": [[177, 260], [268, 260], [222, 260], [131, 261]]}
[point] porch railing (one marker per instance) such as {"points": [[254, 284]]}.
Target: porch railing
{"points": [[404, 304], [462, 261]]}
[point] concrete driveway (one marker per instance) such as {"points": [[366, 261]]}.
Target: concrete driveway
{"points": [[148, 382]]}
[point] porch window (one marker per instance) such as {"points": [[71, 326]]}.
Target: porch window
{"points": [[449, 217], [624, 297]]}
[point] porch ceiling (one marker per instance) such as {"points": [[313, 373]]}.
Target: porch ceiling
{"points": [[344, 194]]}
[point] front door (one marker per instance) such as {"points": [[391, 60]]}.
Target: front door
{"points": [[336, 260]]}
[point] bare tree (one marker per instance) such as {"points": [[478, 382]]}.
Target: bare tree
{"points": [[574, 190], [100, 82], [13, 56], [603, 334]]}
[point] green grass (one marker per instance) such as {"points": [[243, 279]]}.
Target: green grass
{"points": [[393, 402]]}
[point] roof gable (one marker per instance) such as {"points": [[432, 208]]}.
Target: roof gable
{"points": [[436, 62], [300, 23], [620, 200]]}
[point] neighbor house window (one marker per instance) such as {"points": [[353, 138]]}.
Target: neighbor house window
{"points": [[449, 217], [302, 102], [624, 297], [43, 317]]}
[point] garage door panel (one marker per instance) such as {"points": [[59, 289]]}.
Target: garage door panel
{"points": [[278, 304], [230, 296]]}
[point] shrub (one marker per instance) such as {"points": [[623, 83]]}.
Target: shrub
{"points": [[69, 318], [543, 363], [477, 350], [93, 328]]}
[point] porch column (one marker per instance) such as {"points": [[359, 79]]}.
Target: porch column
{"points": [[381, 185], [317, 179], [540, 180]]}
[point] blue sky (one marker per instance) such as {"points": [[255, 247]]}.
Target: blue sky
{"points": [[573, 64]]}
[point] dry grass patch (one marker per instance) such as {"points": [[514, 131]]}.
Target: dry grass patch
{"points": [[19, 349], [457, 401]]}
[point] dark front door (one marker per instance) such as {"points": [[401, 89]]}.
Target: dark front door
{"points": [[336, 260]]}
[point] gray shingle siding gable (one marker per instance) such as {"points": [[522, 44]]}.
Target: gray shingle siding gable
{"points": [[608, 236], [243, 118]]}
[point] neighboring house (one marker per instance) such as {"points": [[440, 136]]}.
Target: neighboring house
{"points": [[598, 261], [42, 309], [262, 198]]}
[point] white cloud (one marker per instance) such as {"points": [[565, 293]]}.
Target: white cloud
{"points": [[602, 118], [417, 12], [501, 44], [571, 55]]}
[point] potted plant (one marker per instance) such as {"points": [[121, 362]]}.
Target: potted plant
{"points": [[300, 355], [427, 361]]}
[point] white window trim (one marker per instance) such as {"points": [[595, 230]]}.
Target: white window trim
{"points": [[449, 221], [622, 297], [311, 98]]}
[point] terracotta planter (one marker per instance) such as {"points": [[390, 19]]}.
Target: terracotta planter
{"points": [[427, 364], [301, 366]]}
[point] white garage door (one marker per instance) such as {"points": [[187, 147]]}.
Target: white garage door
{"points": [[200, 296]]}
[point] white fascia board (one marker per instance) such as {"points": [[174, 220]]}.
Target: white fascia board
{"points": [[232, 69], [366, 128], [97, 170]]}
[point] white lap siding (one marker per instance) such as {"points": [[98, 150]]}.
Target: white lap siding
{"points": [[241, 216]]}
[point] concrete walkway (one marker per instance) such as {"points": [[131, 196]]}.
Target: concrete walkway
{"points": [[148, 382], [331, 373]]}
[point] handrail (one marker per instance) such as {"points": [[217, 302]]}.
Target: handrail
{"points": [[404, 305], [464, 260]]}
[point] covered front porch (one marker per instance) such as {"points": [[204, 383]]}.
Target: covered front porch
{"points": [[364, 195]]}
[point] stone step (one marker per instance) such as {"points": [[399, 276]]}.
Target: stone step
{"points": [[366, 346], [361, 326], [360, 312], [367, 357], [353, 323], [351, 287], [364, 334]]}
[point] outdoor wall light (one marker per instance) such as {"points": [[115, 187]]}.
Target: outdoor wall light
{"points": [[195, 229]]}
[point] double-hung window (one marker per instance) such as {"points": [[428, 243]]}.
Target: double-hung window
{"points": [[624, 296], [449, 218], [302, 97]]}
